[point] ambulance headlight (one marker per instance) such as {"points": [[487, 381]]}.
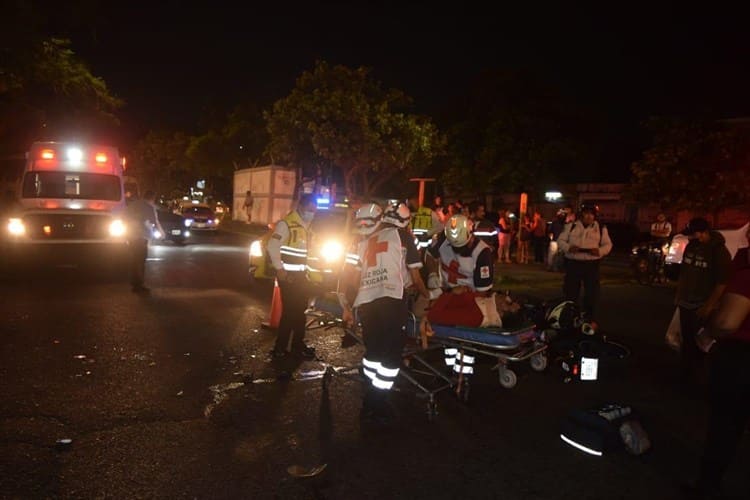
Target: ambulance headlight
{"points": [[117, 228], [16, 227], [75, 155], [331, 251], [255, 249]]}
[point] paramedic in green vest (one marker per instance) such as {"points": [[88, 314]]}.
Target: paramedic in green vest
{"points": [[287, 249], [425, 223]]}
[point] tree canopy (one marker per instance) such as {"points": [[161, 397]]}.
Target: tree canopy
{"points": [[46, 90], [340, 118], [694, 164]]}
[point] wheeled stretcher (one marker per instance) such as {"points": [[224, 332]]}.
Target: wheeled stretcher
{"points": [[430, 376]]}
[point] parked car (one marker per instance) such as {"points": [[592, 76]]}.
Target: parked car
{"points": [[673, 259], [331, 238], [175, 226], [200, 217]]}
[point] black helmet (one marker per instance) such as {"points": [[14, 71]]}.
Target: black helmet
{"points": [[589, 207]]}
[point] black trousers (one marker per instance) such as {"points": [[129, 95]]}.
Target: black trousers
{"points": [[384, 330], [586, 273], [539, 243], [691, 356], [294, 300], [138, 255], [729, 402]]}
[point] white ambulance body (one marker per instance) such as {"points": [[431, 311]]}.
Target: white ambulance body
{"points": [[70, 194]]}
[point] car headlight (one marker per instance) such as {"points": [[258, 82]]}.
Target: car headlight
{"points": [[216, 221], [117, 228], [157, 234], [255, 249], [331, 251], [16, 227], [188, 222]]}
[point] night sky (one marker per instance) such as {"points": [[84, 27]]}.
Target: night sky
{"points": [[170, 61]]}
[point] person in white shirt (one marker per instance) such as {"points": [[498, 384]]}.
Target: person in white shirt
{"points": [[584, 243], [661, 230]]}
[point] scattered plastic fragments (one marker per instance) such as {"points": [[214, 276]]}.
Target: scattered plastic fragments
{"points": [[302, 471], [220, 394], [63, 444]]}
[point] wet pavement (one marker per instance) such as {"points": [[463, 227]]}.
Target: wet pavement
{"points": [[173, 395]]}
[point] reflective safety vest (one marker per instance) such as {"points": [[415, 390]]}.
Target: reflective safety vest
{"points": [[421, 225], [294, 253], [421, 221], [486, 231]]}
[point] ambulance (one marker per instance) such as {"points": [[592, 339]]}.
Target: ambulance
{"points": [[69, 198]]}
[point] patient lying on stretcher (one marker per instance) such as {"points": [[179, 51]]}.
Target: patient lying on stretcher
{"points": [[474, 309]]}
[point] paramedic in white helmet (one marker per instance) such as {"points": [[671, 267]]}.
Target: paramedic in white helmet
{"points": [[466, 264], [398, 215], [379, 275]]}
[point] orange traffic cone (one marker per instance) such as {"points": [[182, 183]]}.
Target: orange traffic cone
{"points": [[275, 316]]}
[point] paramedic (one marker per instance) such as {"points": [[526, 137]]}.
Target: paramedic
{"points": [[466, 264], [381, 278]]}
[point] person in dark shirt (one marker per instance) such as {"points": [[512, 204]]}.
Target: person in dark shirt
{"points": [[704, 273]]}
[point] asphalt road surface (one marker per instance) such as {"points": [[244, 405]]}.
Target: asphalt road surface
{"points": [[172, 395]]}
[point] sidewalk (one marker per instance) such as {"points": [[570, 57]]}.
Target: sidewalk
{"points": [[615, 269]]}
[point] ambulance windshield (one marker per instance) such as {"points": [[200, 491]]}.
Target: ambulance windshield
{"points": [[72, 185]]}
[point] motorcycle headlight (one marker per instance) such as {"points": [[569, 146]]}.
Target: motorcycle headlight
{"points": [[16, 227], [117, 228], [255, 249], [331, 251]]}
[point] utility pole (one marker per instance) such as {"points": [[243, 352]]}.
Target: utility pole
{"points": [[421, 181]]}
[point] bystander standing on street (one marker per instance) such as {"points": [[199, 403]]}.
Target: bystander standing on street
{"points": [[584, 242], [554, 256], [727, 337], [704, 272], [248, 206], [143, 220]]}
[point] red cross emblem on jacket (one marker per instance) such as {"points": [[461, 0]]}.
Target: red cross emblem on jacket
{"points": [[452, 271], [374, 247]]}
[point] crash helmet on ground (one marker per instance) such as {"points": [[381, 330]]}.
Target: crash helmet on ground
{"points": [[563, 315], [458, 230], [368, 218], [397, 214]]}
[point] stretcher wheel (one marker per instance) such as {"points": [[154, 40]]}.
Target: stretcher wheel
{"points": [[538, 362], [508, 378]]}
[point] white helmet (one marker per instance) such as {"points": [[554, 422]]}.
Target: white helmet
{"points": [[368, 218], [563, 316], [397, 214], [458, 230]]}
